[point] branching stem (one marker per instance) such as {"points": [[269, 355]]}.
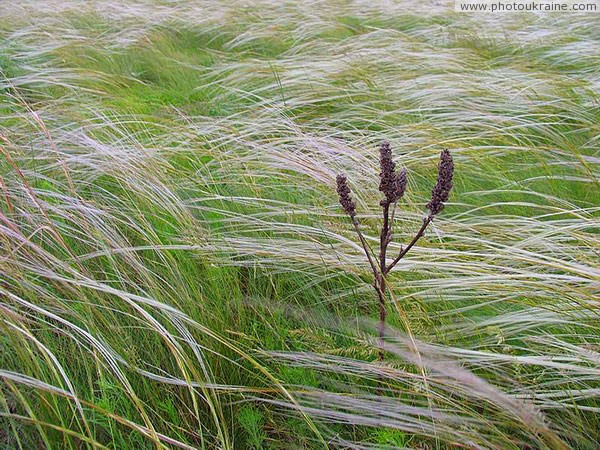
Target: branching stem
{"points": [[392, 185], [426, 221], [384, 240], [366, 248]]}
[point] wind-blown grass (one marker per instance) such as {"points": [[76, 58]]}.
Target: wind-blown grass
{"points": [[175, 269]]}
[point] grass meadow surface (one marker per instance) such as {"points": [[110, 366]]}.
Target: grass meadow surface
{"points": [[175, 271]]}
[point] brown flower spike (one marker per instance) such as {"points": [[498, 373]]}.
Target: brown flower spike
{"points": [[344, 191], [393, 185], [441, 190], [390, 183], [387, 176]]}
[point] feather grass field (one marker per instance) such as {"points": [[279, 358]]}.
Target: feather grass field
{"points": [[176, 272]]}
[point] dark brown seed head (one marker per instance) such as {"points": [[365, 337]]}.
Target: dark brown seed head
{"points": [[392, 184], [400, 184], [343, 191], [441, 190], [387, 176]]}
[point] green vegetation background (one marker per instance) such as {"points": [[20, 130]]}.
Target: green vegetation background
{"points": [[175, 270]]}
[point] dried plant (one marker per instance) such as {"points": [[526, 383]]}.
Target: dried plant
{"points": [[393, 185]]}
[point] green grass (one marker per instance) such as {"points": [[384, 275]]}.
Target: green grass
{"points": [[175, 271]]}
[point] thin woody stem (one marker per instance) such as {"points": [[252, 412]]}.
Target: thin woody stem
{"points": [[382, 316], [384, 236], [366, 248], [384, 240], [426, 221], [391, 227]]}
